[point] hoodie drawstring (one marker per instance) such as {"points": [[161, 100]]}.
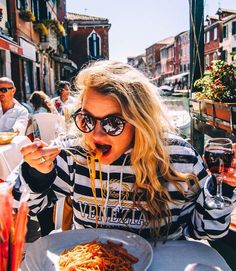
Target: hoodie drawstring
{"points": [[120, 187], [108, 190]]}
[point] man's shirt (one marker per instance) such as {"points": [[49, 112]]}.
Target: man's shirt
{"points": [[14, 119]]}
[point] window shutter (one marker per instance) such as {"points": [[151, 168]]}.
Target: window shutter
{"points": [[234, 28]]}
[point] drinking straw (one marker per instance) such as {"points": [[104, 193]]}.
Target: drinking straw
{"points": [[19, 236], [6, 223]]}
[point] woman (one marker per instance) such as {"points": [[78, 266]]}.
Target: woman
{"points": [[41, 103], [133, 172]]}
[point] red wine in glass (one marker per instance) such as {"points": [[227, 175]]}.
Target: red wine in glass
{"points": [[218, 159], [218, 155]]}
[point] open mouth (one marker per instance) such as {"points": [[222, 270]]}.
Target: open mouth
{"points": [[103, 148]]}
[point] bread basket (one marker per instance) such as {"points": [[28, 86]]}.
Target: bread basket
{"points": [[6, 137]]}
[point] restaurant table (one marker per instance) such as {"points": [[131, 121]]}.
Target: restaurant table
{"points": [[178, 255], [10, 155]]}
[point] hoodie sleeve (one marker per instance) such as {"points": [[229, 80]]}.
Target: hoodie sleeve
{"points": [[197, 219], [21, 120], [43, 190]]}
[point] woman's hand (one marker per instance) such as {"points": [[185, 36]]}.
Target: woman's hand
{"points": [[230, 176], [39, 156]]}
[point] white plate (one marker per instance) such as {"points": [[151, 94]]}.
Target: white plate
{"points": [[44, 253]]}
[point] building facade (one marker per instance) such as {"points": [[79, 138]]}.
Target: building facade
{"points": [[88, 38]]}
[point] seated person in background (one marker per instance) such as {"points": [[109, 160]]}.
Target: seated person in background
{"points": [[13, 116], [41, 103], [63, 99], [131, 171]]}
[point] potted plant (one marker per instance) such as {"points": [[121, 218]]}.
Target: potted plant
{"points": [[216, 99], [41, 28], [56, 26], [218, 83], [27, 15]]}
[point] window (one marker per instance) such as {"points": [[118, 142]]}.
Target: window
{"points": [[94, 45], [234, 28], [207, 61], [215, 56], [233, 56], [180, 68], [225, 31], [35, 9], [224, 55], [207, 37], [215, 33], [43, 10], [22, 4]]}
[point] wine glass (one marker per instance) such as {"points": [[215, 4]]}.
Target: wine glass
{"points": [[218, 155]]}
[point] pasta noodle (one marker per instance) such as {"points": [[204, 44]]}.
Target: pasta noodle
{"points": [[92, 157], [97, 256]]}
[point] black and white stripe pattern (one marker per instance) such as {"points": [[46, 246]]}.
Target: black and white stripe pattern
{"points": [[191, 216]]}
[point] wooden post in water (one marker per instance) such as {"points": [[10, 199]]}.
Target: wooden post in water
{"points": [[196, 16]]}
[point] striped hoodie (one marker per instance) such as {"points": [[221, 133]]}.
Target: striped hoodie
{"points": [[190, 217]]}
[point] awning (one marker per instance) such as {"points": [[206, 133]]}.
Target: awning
{"points": [[177, 76], [65, 61], [11, 46], [156, 78]]}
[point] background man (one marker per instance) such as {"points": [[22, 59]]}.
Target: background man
{"points": [[63, 99], [13, 116]]}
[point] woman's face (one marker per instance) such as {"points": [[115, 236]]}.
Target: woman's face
{"points": [[100, 106]]}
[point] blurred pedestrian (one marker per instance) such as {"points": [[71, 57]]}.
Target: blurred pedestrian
{"points": [[13, 116], [41, 103], [64, 99]]}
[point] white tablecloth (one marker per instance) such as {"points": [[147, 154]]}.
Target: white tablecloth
{"points": [[177, 255], [10, 155]]}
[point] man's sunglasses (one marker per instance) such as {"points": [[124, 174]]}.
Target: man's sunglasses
{"points": [[111, 124], [4, 90]]}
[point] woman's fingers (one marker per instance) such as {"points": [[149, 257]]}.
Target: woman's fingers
{"points": [[39, 156]]}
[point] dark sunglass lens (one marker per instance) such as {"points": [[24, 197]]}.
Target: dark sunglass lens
{"points": [[113, 125], [85, 122], [3, 90]]}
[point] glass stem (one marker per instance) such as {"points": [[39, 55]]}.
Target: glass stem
{"points": [[219, 180]]}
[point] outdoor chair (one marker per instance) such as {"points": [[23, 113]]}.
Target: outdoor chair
{"points": [[49, 125]]}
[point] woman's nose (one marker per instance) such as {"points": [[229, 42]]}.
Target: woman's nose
{"points": [[98, 130]]}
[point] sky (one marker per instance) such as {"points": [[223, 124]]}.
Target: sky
{"points": [[137, 24]]}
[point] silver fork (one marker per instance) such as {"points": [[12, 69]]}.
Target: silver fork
{"points": [[67, 142]]}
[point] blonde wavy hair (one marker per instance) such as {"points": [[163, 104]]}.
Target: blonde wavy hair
{"points": [[149, 158]]}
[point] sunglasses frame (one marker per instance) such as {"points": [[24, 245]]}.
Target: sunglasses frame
{"points": [[5, 89], [79, 112]]}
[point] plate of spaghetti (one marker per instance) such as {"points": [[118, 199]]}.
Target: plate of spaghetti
{"points": [[90, 250]]}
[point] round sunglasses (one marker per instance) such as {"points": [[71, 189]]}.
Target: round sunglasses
{"points": [[111, 124]]}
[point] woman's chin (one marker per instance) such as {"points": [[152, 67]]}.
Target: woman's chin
{"points": [[107, 158]]}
